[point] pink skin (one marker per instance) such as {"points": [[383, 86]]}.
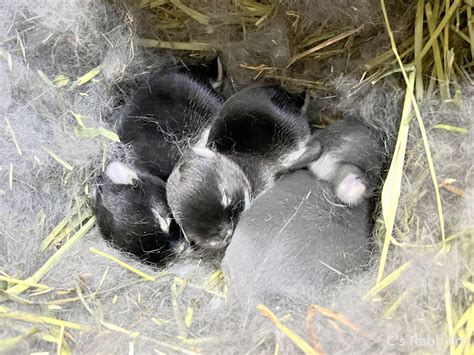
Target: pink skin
{"points": [[351, 189]]}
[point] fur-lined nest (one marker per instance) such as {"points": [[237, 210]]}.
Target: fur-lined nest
{"points": [[405, 68]]}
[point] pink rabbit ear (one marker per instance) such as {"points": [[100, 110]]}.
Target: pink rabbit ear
{"points": [[351, 190], [120, 173], [204, 152]]}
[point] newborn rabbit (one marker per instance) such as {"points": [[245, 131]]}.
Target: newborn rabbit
{"points": [[207, 192], [132, 213], [349, 159], [263, 130], [169, 112], [297, 238], [259, 130]]}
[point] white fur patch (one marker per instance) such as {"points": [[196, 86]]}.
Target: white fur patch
{"points": [[204, 152], [120, 173], [225, 198], [202, 142], [325, 167], [351, 190], [163, 221], [247, 199], [290, 158]]}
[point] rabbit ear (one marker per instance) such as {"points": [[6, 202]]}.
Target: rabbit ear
{"points": [[218, 73], [120, 173], [204, 152]]}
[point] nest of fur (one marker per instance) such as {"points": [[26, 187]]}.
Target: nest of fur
{"points": [[67, 66]]}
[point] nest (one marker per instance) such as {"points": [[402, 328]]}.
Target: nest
{"points": [[405, 69]]}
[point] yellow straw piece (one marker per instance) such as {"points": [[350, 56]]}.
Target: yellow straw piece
{"points": [[451, 128], [92, 132], [437, 31], [387, 281], [35, 318], [324, 44], [183, 46], [43, 270], [56, 157], [88, 76], [15, 141], [60, 81], [123, 264], [23, 282], [392, 186], [449, 314], [197, 16], [11, 342], [464, 318], [296, 339]]}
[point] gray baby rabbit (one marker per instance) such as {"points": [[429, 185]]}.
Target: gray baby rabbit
{"points": [[306, 233]]}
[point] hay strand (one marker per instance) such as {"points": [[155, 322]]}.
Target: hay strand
{"points": [[180, 46], [37, 319], [104, 323], [437, 31], [8, 343], [324, 45], [195, 15], [87, 76], [392, 186], [92, 132], [418, 38], [296, 339], [43, 270], [15, 141], [388, 280], [123, 264], [56, 157]]}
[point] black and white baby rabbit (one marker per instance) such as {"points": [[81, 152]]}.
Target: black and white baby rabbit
{"points": [[263, 130], [259, 130], [132, 213], [206, 193], [172, 110]]}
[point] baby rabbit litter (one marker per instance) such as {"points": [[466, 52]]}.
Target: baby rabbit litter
{"points": [[213, 173]]}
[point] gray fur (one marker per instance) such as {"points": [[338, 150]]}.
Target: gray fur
{"points": [[350, 158], [296, 239]]}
